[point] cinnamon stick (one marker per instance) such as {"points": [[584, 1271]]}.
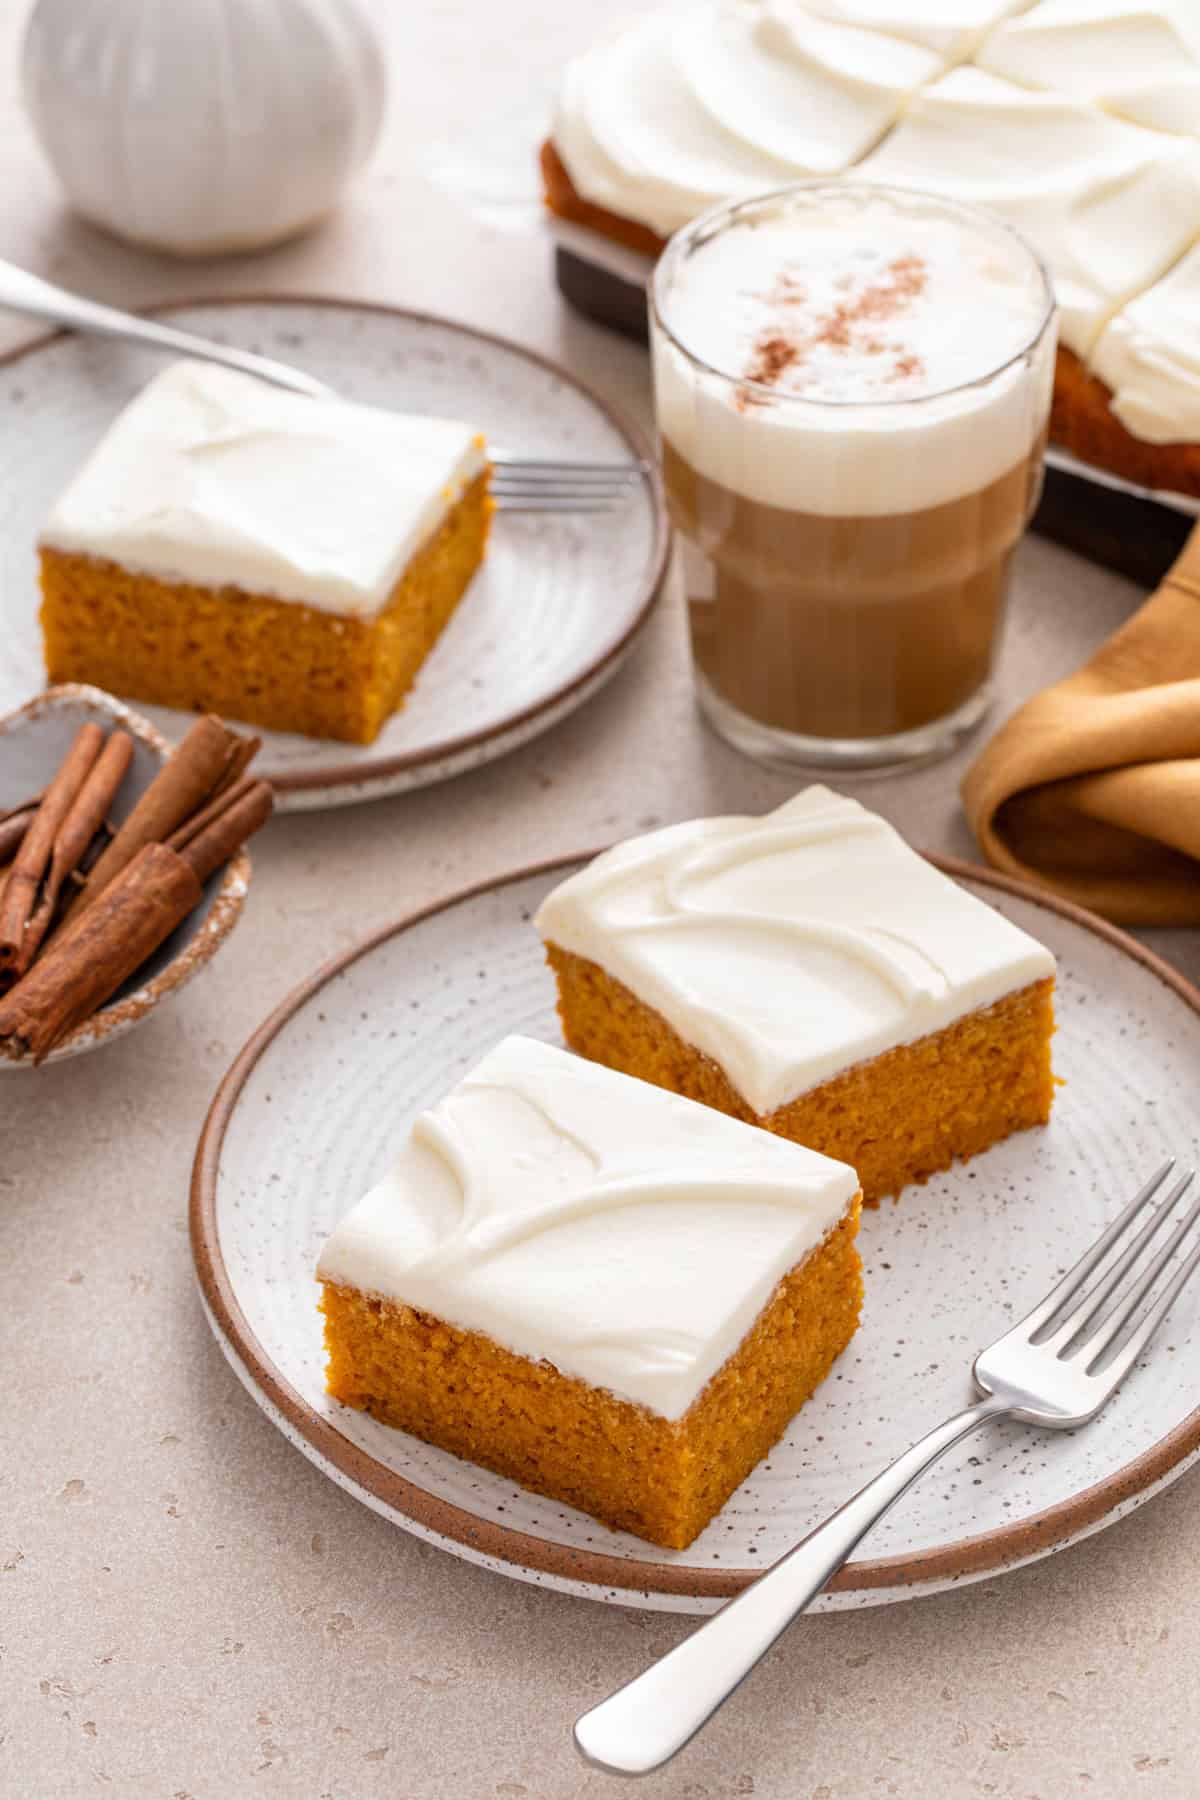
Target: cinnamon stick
{"points": [[23, 806], [32, 861], [220, 803], [13, 826], [195, 769], [83, 821], [84, 967], [242, 753], [229, 831]]}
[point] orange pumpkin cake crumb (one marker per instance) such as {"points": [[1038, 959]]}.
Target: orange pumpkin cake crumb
{"points": [[605, 1293], [230, 547], [810, 974]]}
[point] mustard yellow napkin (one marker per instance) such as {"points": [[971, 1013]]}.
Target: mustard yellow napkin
{"points": [[1092, 789]]}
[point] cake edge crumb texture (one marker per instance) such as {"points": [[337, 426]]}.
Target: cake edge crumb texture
{"points": [[662, 1480], [280, 664], [897, 1118]]}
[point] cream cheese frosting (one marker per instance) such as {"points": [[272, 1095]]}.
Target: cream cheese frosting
{"points": [[791, 947], [952, 28], [1109, 205], [1077, 121], [686, 108], [212, 477], [627, 1236], [1150, 358], [693, 105], [1138, 61]]}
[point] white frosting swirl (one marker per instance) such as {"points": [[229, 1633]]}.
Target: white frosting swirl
{"points": [[688, 108], [1079, 125], [1131, 57], [790, 948], [1150, 357], [627, 1236], [952, 28], [215, 478], [1108, 205]]}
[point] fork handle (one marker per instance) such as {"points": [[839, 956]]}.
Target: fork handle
{"points": [[646, 1722], [25, 293]]}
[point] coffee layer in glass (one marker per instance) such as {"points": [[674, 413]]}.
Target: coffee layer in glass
{"points": [[852, 388]]}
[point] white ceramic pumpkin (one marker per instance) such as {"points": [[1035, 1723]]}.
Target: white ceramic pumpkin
{"points": [[201, 126]]}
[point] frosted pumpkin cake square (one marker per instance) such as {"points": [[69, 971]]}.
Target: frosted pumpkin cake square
{"points": [[608, 1294], [229, 547], [810, 973]]}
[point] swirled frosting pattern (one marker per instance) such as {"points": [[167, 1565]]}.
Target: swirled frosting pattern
{"points": [[1078, 121], [1110, 206], [688, 108], [1149, 356], [576, 1216], [214, 477], [791, 947], [1132, 57]]}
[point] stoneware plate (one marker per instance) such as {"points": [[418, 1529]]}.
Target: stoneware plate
{"points": [[316, 1105], [33, 742], [555, 608]]}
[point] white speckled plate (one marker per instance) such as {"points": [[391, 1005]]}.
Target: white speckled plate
{"points": [[549, 617], [317, 1103]]}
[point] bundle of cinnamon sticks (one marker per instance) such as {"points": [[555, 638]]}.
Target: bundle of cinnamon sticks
{"points": [[82, 905]]}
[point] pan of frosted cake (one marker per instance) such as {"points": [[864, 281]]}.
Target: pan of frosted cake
{"points": [[1078, 123]]}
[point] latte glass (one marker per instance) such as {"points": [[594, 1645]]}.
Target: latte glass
{"points": [[847, 559]]}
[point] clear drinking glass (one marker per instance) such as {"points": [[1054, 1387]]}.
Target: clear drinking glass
{"points": [[847, 561]]}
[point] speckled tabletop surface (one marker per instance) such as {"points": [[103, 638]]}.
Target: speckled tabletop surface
{"points": [[188, 1610]]}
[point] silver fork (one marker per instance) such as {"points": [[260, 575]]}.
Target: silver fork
{"points": [[520, 484], [528, 484], [1055, 1369]]}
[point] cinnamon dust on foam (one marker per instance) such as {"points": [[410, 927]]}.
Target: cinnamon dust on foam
{"points": [[775, 351]]}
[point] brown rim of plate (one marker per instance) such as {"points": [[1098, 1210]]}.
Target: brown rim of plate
{"points": [[113, 1020], [989, 1552], [380, 768]]}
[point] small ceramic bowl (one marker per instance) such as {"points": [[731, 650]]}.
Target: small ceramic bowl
{"points": [[33, 742]]}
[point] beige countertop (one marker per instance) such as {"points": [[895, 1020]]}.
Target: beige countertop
{"points": [[188, 1609]]}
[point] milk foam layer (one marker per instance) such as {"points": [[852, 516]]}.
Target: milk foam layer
{"points": [[819, 313], [215, 478], [790, 947], [869, 300], [577, 1216]]}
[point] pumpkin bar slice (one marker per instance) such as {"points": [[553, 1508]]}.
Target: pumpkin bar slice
{"points": [[603, 1292], [812, 974], [232, 548]]}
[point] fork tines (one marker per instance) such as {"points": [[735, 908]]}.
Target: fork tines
{"points": [[1110, 1343], [548, 484]]}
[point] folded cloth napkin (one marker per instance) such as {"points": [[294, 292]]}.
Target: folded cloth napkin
{"points": [[1092, 789]]}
